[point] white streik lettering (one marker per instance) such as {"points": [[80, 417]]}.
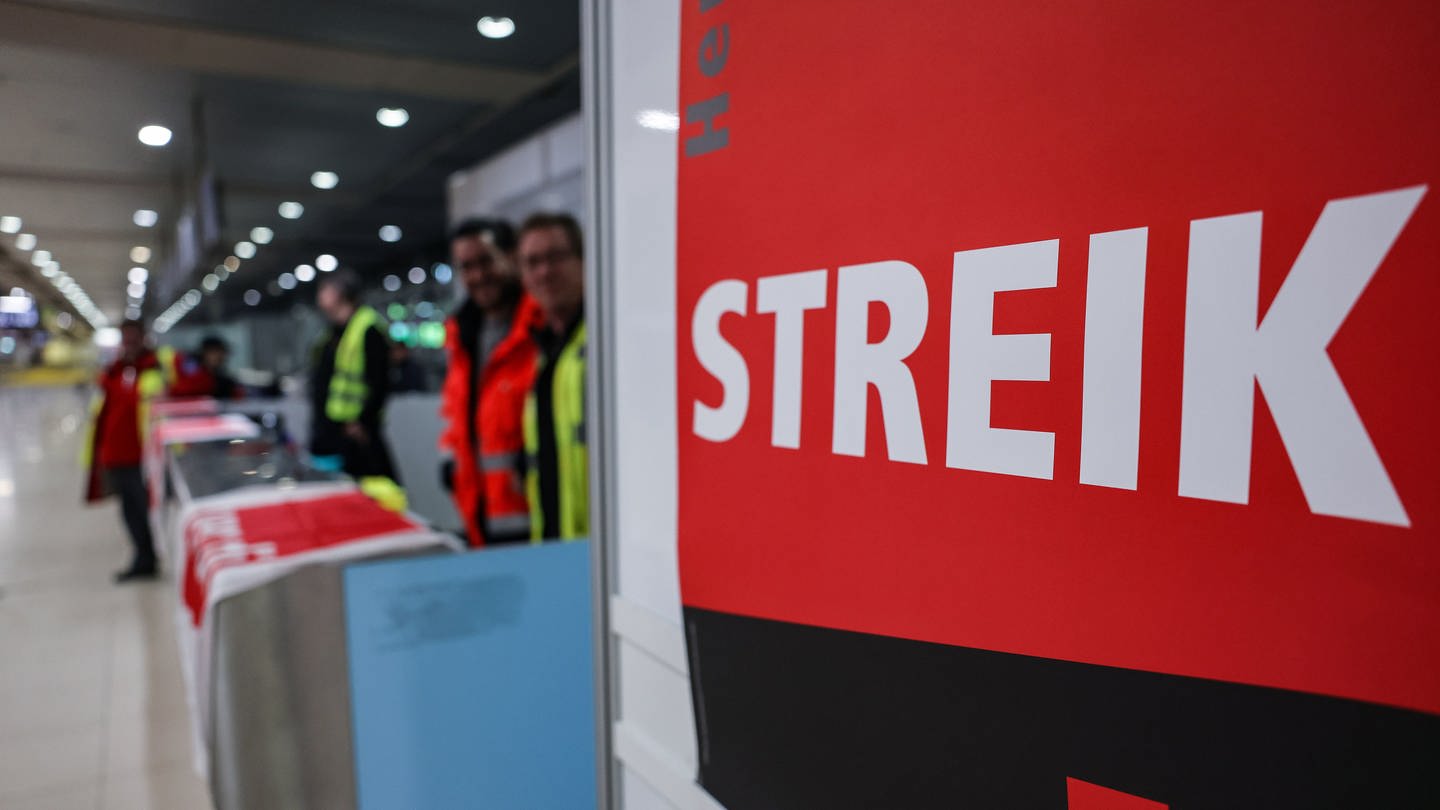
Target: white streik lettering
{"points": [[1339, 470], [1114, 332], [788, 297], [860, 363], [978, 356], [1226, 355], [722, 360]]}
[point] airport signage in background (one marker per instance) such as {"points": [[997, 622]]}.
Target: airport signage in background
{"points": [[1056, 402], [18, 312]]}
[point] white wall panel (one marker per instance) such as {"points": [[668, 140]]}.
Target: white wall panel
{"points": [[655, 731]]}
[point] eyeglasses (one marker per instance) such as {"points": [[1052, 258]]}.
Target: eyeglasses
{"points": [[535, 260]]}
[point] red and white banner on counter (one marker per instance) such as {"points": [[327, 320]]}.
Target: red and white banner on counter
{"points": [[242, 540]]}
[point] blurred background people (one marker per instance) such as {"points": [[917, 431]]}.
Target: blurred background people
{"points": [[405, 373], [491, 366], [349, 382], [201, 373], [119, 417], [557, 475]]}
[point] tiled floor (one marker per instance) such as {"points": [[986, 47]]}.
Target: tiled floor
{"points": [[92, 707]]}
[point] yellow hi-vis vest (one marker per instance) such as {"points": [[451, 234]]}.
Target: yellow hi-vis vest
{"points": [[347, 382], [567, 399]]}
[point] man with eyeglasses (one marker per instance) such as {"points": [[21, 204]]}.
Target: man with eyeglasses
{"points": [[557, 459], [491, 366]]}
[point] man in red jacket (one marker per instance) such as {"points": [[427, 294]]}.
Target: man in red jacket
{"points": [[120, 415], [491, 367]]}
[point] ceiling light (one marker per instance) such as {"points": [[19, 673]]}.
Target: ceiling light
{"points": [[211, 283], [495, 27], [326, 263], [232, 263], [658, 119], [392, 283], [417, 275], [135, 290], [192, 298], [50, 270], [291, 210], [261, 235], [140, 254], [252, 297], [154, 135], [305, 273], [390, 233], [146, 218], [222, 271], [25, 241], [132, 312], [286, 281], [138, 275], [245, 250], [392, 116], [443, 273], [63, 320], [40, 258], [325, 180], [10, 224]]}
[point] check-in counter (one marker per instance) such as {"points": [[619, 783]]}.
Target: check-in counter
{"points": [[258, 542]]}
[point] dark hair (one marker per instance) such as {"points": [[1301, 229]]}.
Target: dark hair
{"points": [[546, 219], [213, 342], [133, 323], [346, 282], [496, 231]]}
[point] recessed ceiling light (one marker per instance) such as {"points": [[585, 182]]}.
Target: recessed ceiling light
{"points": [[326, 263], [305, 273], [222, 271], [325, 180], [211, 282], [443, 273], [25, 241], [286, 281], [138, 275], [252, 297], [40, 258], [140, 254], [154, 135], [392, 116], [50, 270], [495, 27], [291, 210], [392, 283], [417, 275], [245, 250], [390, 233], [10, 224], [145, 218], [232, 263], [261, 235], [135, 290]]}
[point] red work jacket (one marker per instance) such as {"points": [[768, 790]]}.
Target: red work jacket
{"points": [[484, 433]]}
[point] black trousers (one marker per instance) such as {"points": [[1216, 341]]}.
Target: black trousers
{"points": [[129, 484]]}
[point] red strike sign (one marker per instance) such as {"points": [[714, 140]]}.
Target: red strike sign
{"points": [[1115, 349]]}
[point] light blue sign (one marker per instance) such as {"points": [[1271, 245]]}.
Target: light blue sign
{"points": [[472, 680]]}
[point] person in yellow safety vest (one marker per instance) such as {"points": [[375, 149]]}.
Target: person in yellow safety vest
{"points": [[349, 382], [119, 419], [557, 475]]}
